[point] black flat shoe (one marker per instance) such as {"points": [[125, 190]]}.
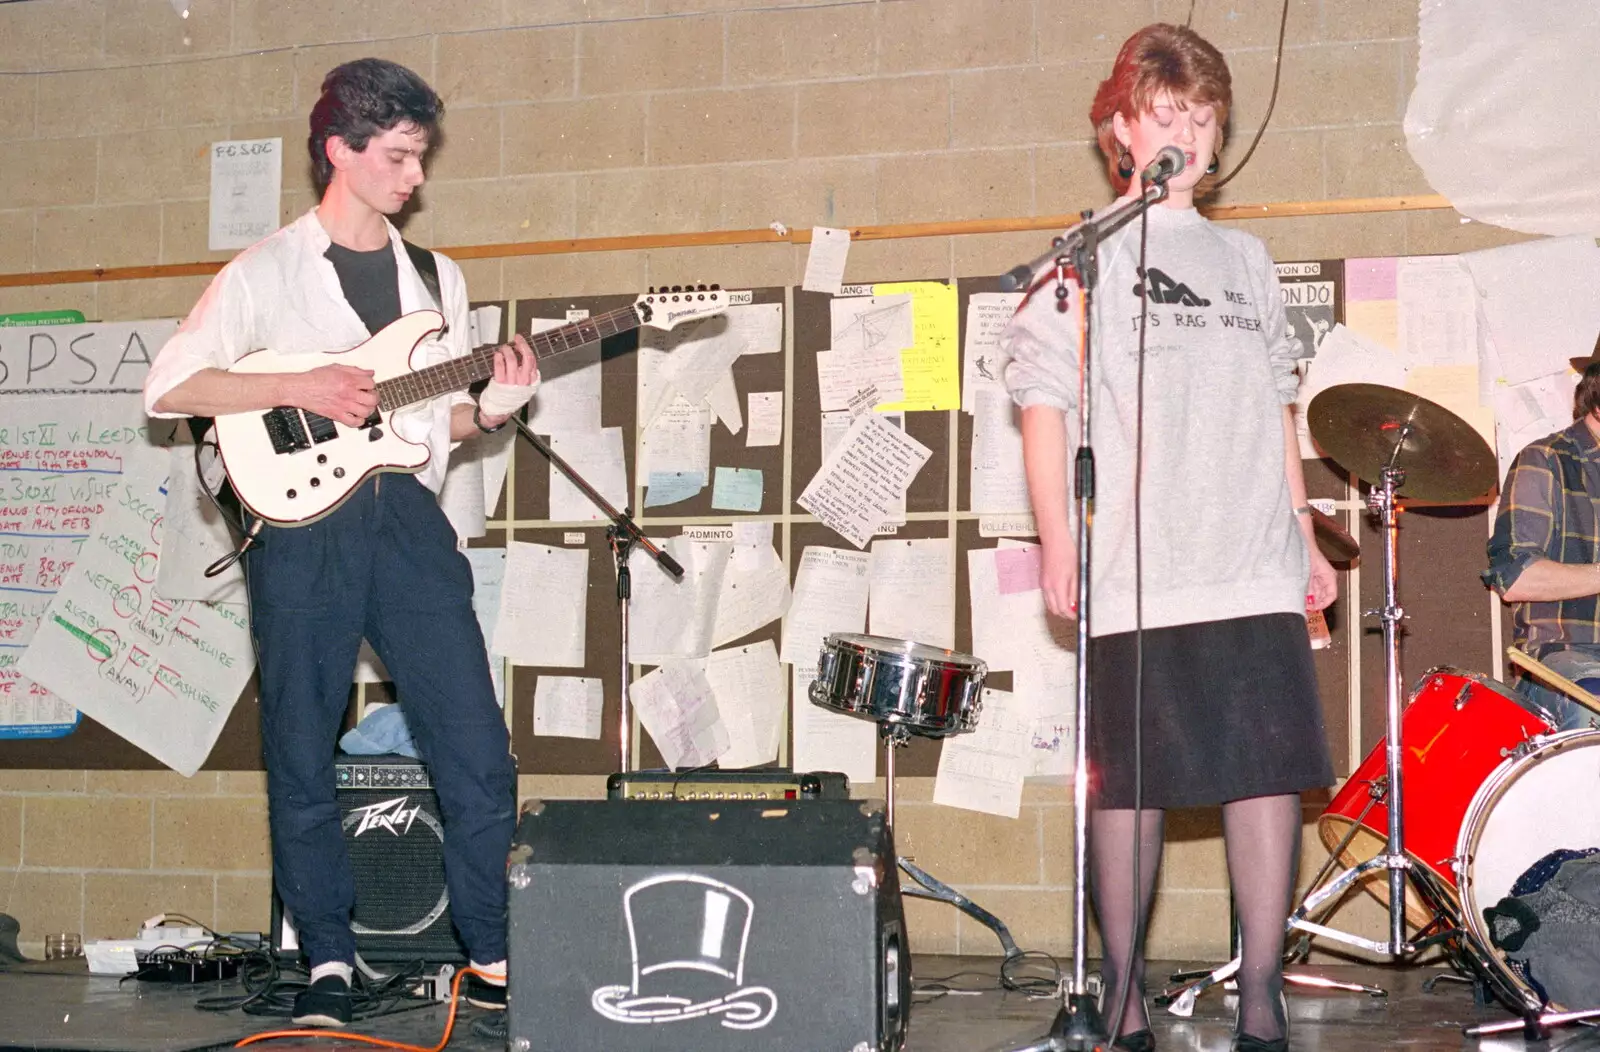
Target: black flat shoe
{"points": [[1138, 1041]]}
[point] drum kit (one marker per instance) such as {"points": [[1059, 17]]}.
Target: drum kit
{"points": [[1466, 791]]}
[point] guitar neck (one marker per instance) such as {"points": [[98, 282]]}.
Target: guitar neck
{"points": [[459, 373]]}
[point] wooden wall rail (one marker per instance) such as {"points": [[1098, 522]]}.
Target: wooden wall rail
{"points": [[798, 236]]}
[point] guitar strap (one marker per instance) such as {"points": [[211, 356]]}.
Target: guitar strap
{"points": [[427, 269]]}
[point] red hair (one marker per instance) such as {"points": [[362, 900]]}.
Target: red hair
{"points": [[1158, 59]]}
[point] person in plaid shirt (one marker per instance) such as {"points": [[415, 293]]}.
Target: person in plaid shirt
{"points": [[1544, 556]]}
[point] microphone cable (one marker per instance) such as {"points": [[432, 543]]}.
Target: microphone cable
{"points": [[1139, 921]]}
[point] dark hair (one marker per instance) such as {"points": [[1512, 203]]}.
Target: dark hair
{"points": [[1160, 58], [364, 98], [1586, 398]]}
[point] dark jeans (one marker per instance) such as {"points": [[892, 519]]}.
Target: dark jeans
{"points": [[384, 566]]}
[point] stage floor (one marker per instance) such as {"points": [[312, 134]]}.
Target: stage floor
{"points": [[63, 1008]]}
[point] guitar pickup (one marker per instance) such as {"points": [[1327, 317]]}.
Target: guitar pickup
{"points": [[322, 429], [285, 429]]}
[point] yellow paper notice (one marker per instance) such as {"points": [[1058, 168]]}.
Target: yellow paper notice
{"points": [[931, 367]]}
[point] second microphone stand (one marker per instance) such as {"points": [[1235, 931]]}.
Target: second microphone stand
{"points": [[623, 534]]}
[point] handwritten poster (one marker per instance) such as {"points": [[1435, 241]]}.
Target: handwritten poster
{"points": [[62, 462], [103, 356], [863, 478], [162, 674]]}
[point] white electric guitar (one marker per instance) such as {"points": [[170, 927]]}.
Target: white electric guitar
{"points": [[290, 466]]}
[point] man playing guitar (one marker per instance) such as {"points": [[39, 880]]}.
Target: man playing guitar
{"points": [[383, 565]]}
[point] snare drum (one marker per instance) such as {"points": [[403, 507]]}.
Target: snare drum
{"points": [[1536, 802], [928, 691], [1457, 728]]}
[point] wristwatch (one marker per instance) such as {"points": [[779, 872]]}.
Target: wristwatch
{"points": [[477, 421]]}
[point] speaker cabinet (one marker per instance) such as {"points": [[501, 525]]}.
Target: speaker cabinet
{"points": [[395, 837], [706, 926]]}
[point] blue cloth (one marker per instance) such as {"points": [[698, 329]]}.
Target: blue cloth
{"points": [[382, 730], [384, 566], [1581, 664]]}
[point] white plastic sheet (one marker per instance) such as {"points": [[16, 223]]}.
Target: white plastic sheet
{"points": [[1497, 118]]}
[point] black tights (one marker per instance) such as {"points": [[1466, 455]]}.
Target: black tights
{"points": [[1262, 836]]}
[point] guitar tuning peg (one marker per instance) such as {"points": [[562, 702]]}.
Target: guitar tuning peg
{"points": [[651, 291], [700, 288], [677, 288], [716, 288]]}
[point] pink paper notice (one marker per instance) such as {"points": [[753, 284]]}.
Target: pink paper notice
{"points": [[1371, 279], [1017, 569]]}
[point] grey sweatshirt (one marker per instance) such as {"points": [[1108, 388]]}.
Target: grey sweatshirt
{"points": [[1220, 537]]}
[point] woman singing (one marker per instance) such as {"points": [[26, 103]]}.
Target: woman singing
{"points": [[1201, 623]]}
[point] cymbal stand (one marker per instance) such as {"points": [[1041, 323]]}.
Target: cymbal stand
{"points": [[1393, 858], [894, 736]]}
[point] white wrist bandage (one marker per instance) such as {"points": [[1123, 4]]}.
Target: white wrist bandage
{"points": [[500, 399]]}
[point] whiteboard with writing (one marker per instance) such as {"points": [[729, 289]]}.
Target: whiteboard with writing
{"points": [[100, 356], [162, 674], [62, 462]]}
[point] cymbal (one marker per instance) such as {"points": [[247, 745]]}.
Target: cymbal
{"points": [[1443, 458], [1334, 540]]}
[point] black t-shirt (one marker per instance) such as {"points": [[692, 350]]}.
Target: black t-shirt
{"points": [[371, 283]]}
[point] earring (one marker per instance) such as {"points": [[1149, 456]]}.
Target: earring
{"points": [[1211, 169], [1125, 165]]}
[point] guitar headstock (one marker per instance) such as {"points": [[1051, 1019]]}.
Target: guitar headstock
{"points": [[669, 306]]}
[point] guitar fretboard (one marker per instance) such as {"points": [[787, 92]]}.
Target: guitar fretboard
{"points": [[458, 373]]}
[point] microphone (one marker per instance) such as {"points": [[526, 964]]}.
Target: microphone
{"points": [[1168, 163]]}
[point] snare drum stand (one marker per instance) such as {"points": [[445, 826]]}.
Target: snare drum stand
{"points": [[1393, 858], [894, 736]]}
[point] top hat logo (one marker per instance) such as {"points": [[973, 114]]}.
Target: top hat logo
{"points": [[688, 934]]}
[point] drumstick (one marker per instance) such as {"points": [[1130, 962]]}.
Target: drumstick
{"points": [[1540, 670]]}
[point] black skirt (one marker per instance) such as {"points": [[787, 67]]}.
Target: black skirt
{"points": [[1230, 711]]}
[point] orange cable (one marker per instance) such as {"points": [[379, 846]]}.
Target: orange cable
{"points": [[345, 1035]]}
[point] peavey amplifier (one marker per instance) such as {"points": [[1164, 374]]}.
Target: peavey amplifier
{"points": [[709, 927], [395, 837]]}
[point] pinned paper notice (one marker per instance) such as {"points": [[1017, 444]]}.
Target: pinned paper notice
{"points": [[930, 367], [567, 707], [670, 487], [677, 707], [867, 473], [912, 594], [1018, 569], [843, 378], [674, 617], [543, 604], [598, 457], [830, 595], [748, 684], [984, 770], [246, 187], [766, 419], [830, 247], [736, 489], [983, 362]]}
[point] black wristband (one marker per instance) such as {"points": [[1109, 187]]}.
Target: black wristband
{"points": [[477, 421]]}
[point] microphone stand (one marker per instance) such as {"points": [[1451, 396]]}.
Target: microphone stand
{"points": [[622, 535], [1078, 1026]]}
